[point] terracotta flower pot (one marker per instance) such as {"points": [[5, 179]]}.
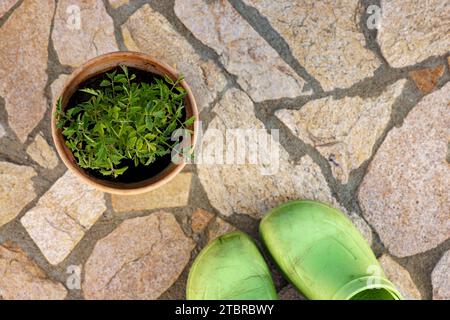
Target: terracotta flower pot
{"points": [[100, 65]]}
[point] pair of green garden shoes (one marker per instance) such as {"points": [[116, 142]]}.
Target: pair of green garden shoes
{"points": [[315, 246]]}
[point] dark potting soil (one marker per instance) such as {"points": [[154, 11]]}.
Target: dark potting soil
{"points": [[133, 173]]}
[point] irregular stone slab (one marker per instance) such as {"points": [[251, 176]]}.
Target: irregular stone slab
{"points": [[324, 36], [22, 279], [249, 188], [62, 216], [173, 194], [148, 31], [118, 3], [200, 219], [57, 86], [42, 153], [405, 194], [141, 259], [16, 190], [440, 277], [344, 131], [290, 293], [243, 52], [424, 32], [6, 5], [218, 228], [427, 79], [400, 277], [82, 30], [23, 64]]}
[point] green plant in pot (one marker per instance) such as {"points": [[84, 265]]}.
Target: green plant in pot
{"points": [[114, 127]]}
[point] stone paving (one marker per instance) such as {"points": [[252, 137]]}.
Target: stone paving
{"points": [[363, 115]]}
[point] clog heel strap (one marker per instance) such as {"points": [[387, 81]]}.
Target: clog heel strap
{"points": [[368, 288]]}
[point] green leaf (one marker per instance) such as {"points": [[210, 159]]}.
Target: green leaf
{"points": [[120, 171], [73, 111], [106, 172], [111, 75], [124, 69], [105, 83], [141, 128], [181, 90], [189, 121], [168, 79], [115, 112], [151, 147], [120, 78], [139, 143], [159, 114], [100, 128], [131, 142], [90, 91], [59, 105], [150, 136], [68, 132], [149, 122]]}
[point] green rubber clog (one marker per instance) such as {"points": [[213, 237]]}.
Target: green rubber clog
{"points": [[322, 254], [230, 268]]}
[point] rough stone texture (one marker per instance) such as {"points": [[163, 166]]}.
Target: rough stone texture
{"points": [[2, 131], [361, 225], [75, 44], [16, 190], [405, 194], [57, 86], [62, 216], [148, 31], [23, 62], [118, 3], [6, 5], [324, 36], [440, 278], [427, 79], [244, 188], [259, 69], [22, 279], [173, 194], [344, 131], [200, 219], [141, 259], [400, 277], [424, 31], [290, 293], [42, 153], [218, 228]]}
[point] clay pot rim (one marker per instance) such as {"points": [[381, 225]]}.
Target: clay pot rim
{"points": [[122, 57]]}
